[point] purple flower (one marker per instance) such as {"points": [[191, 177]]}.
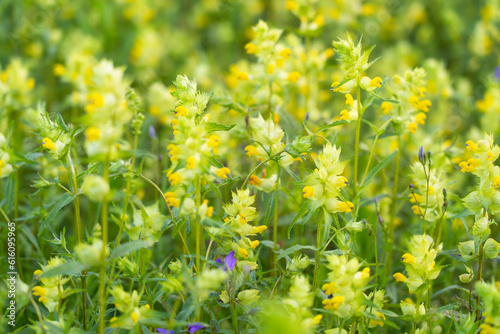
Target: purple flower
{"points": [[164, 331], [421, 155], [497, 72], [229, 262], [152, 132], [195, 327]]}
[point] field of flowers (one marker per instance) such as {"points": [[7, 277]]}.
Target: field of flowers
{"points": [[250, 166]]}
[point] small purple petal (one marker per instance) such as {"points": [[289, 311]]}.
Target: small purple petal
{"points": [[164, 331], [152, 132], [230, 261], [195, 327], [497, 72], [219, 261]]}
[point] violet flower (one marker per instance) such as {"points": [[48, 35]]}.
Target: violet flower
{"points": [[164, 331], [229, 262], [195, 327]]}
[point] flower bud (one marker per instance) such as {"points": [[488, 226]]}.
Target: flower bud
{"points": [[95, 187], [175, 266], [407, 308], [421, 155], [491, 248], [481, 228], [91, 254], [467, 250], [466, 278], [247, 297]]}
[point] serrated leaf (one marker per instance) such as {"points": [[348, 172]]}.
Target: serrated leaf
{"points": [[212, 127], [299, 146], [285, 252], [129, 247], [67, 268], [65, 200]]}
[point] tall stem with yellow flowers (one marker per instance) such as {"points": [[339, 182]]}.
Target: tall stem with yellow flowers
{"points": [[74, 186], [319, 237], [102, 272], [388, 250], [356, 144]]}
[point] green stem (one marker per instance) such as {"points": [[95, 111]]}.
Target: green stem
{"points": [[234, 318], [353, 327], [388, 250], [319, 237], [479, 276], [102, 274], [356, 144], [78, 223], [275, 236], [198, 232]]}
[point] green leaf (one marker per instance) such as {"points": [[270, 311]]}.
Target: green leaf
{"points": [[378, 168], [61, 123], [129, 247], [67, 268], [331, 125], [212, 127], [299, 146], [285, 252], [65, 200]]}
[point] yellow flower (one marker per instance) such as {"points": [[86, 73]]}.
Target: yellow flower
{"points": [[135, 317], [333, 304], [422, 91], [251, 150], [94, 100], [92, 133], [471, 146], [59, 69], [191, 163], [171, 200], [408, 258], [496, 182], [386, 107], [254, 180], [242, 76], [349, 100], [270, 69], [254, 244], [293, 76], [469, 165], [307, 191], [180, 111], [243, 252], [47, 143], [213, 141], [37, 273], [399, 277], [344, 115], [251, 48], [260, 229], [317, 319], [40, 292], [223, 172], [4, 76], [412, 127], [30, 84], [416, 210], [290, 5], [415, 198], [376, 82], [329, 288], [420, 118], [174, 179], [346, 206], [286, 53]]}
